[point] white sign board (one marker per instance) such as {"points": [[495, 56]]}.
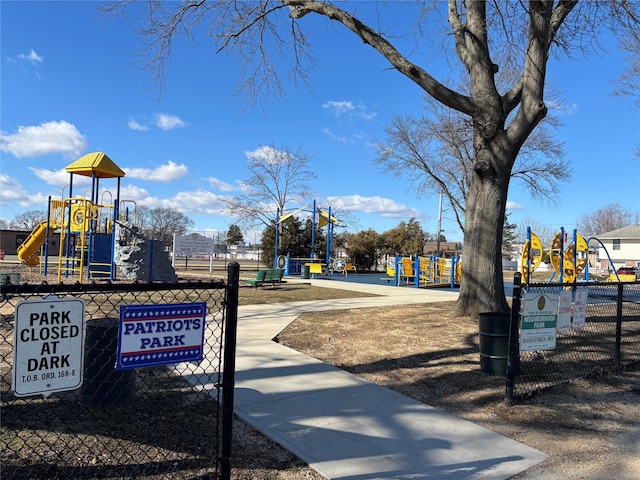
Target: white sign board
{"points": [[193, 244], [580, 308], [48, 344], [539, 322], [564, 311]]}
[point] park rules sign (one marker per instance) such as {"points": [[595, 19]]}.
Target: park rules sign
{"points": [[539, 321], [48, 346]]}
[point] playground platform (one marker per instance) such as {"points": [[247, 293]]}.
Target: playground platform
{"points": [[350, 429]]}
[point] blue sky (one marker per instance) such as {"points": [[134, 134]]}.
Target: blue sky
{"points": [[70, 86]]}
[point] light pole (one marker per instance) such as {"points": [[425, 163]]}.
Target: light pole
{"points": [[255, 249], [439, 226]]}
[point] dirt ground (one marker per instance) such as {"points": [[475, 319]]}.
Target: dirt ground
{"points": [[590, 428]]}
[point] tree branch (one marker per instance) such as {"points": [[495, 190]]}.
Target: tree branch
{"points": [[415, 73], [459, 31], [560, 13], [532, 108]]}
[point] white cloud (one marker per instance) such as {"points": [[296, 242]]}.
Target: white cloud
{"points": [[165, 121], [39, 199], [219, 185], [46, 138], [32, 57], [347, 109], [268, 155], [189, 203], [131, 192], [514, 205], [385, 207], [133, 125], [164, 173], [59, 178], [333, 136], [11, 191], [200, 201], [339, 108], [245, 187]]}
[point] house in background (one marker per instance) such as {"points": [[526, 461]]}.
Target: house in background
{"points": [[623, 246], [447, 249], [10, 240]]}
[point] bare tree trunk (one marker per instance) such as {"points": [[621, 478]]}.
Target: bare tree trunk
{"points": [[482, 285]]}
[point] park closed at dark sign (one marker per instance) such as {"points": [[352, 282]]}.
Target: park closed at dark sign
{"points": [[48, 340]]}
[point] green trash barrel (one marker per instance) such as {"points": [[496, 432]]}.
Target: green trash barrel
{"points": [[494, 342], [304, 272], [103, 384]]}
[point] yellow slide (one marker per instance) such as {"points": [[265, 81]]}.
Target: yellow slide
{"points": [[28, 251]]}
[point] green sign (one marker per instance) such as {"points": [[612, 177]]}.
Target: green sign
{"points": [[539, 322]]}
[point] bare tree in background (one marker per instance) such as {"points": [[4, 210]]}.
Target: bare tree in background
{"points": [[28, 220], [161, 223], [544, 232], [141, 217], [629, 81], [277, 177], [605, 220], [434, 153], [522, 35]]}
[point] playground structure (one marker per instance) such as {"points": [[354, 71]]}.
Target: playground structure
{"points": [[420, 272], [569, 259], [424, 272], [87, 224], [312, 265]]}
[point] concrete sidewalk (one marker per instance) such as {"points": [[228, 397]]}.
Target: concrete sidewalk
{"points": [[346, 427]]}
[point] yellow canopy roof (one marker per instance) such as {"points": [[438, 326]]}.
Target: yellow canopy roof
{"points": [[284, 217], [98, 163], [324, 219]]}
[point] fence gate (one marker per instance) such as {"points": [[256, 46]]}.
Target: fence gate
{"points": [[68, 412]]}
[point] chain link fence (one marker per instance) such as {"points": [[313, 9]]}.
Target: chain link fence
{"points": [[608, 339], [163, 419]]}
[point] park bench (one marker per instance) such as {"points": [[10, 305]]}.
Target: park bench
{"points": [[271, 276]]}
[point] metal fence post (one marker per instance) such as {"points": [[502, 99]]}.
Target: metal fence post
{"points": [[513, 358], [229, 367], [616, 352]]}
